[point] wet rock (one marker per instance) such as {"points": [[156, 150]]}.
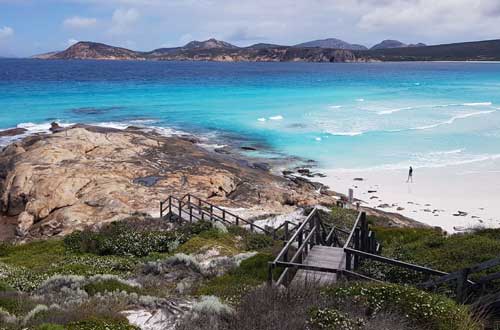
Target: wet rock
{"points": [[384, 206], [287, 172], [248, 148], [223, 150], [358, 179], [374, 197], [55, 127], [304, 171], [400, 208], [190, 138], [372, 191], [13, 132], [262, 166], [460, 214]]}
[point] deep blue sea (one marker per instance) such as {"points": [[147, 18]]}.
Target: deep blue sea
{"points": [[385, 115]]}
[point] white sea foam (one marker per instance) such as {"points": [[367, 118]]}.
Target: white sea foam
{"points": [[360, 100], [278, 117], [262, 119], [432, 159], [354, 133], [317, 138], [453, 119], [333, 107], [31, 128], [40, 128], [390, 111], [477, 104]]}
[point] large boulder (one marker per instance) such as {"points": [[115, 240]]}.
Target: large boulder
{"points": [[84, 175]]}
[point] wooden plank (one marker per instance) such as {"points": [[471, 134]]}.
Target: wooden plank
{"points": [[321, 257]]}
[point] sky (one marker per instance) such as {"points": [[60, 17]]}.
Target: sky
{"points": [[29, 27]]}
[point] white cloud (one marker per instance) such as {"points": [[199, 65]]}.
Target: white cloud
{"points": [[6, 32], [123, 20], [78, 22], [70, 42]]}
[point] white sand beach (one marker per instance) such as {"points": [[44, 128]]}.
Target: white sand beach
{"points": [[435, 197]]}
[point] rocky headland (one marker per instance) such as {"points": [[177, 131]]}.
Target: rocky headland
{"points": [[54, 184]]}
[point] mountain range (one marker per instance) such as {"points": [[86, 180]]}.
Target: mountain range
{"points": [[325, 50]]}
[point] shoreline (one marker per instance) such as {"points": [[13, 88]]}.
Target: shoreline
{"points": [[257, 184], [456, 198], [432, 199]]}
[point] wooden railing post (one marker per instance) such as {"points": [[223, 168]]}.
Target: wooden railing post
{"points": [[286, 233], [319, 239], [180, 210], [270, 269], [348, 260], [299, 241], [364, 233], [170, 205], [462, 285], [224, 216], [161, 210], [357, 241]]}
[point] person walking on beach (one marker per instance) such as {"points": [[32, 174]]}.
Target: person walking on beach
{"points": [[410, 175]]}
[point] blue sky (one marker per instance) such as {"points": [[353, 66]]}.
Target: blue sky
{"points": [[29, 27]]}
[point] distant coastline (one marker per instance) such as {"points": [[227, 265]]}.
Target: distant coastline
{"points": [[220, 51]]}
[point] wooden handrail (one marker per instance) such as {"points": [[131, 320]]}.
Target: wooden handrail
{"points": [[180, 203], [349, 239], [295, 235], [395, 262]]}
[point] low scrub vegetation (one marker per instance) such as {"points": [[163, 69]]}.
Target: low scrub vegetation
{"points": [[434, 249], [232, 286], [128, 238], [355, 306]]}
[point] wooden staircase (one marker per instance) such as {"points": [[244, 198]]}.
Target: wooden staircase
{"points": [[315, 252], [321, 256]]}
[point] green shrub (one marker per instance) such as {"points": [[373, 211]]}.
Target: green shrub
{"points": [[431, 311], [127, 239], [109, 285], [15, 303], [224, 242], [101, 324], [195, 228], [121, 239], [431, 248], [50, 326], [344, 218], [331, 319], [4, 249], [233, 285], [4, 287], [255, 242]]}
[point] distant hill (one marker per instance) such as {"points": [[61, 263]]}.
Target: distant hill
{"points": [[264, 45], [387, 44], [209, 44], [488, 50], [331, 43], [215, 50], [96, 51]]}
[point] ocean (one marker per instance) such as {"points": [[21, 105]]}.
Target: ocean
{"points": [[344, 116]]}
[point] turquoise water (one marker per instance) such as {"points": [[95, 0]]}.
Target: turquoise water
{"points": [[386, 115]]}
